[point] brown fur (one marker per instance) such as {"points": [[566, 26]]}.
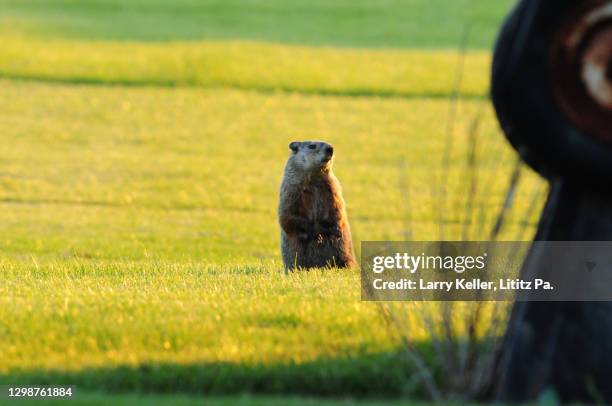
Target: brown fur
{"points": [[314, 226]]}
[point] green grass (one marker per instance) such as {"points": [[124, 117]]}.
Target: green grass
{"points": [[138, 228], [87, 399], [189, 174], [353, 23], [139, 180], [121, 313], [244, 65]]}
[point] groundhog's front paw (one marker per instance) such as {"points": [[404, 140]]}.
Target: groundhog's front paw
{"points": [[306, 232], [335, 232], [332, 230]]}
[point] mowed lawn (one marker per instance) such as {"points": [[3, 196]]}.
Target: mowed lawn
{"points": [[139, 182], [347, 23], [138, 227]]}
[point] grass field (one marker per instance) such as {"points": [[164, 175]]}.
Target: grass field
{"points": [[181, 400], [353, 23], [143, 149]]}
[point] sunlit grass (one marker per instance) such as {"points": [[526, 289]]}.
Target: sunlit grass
{"points": [[75, 314], [133, 173], [246, 65], [138, 224]]}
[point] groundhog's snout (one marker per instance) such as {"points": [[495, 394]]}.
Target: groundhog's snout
{"points": [[329, 150]]}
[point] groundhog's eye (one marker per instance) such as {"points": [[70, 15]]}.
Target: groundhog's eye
{"points": [[312, 146]]}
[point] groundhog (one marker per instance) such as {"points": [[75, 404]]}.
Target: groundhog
{"points": [[314, 227]]}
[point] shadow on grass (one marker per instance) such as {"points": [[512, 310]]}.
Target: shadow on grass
{"points": [[259, 88], [100, 203], [382, 375]]}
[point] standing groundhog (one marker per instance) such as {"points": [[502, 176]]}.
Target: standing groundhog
{"points": [[314, 227]]}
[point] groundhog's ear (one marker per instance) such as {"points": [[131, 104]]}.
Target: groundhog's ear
{"points": [[294, 146]]}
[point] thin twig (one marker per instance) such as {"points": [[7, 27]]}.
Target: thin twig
{"points": [[472, 174], [450, 127], [509, 199], [490, 180], [420, 364], [403, 186]]}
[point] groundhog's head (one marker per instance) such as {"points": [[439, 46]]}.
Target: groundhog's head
{"points": [[312, 155]]}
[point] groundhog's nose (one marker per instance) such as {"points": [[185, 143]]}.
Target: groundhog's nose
{"points": [[329, 150]]}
